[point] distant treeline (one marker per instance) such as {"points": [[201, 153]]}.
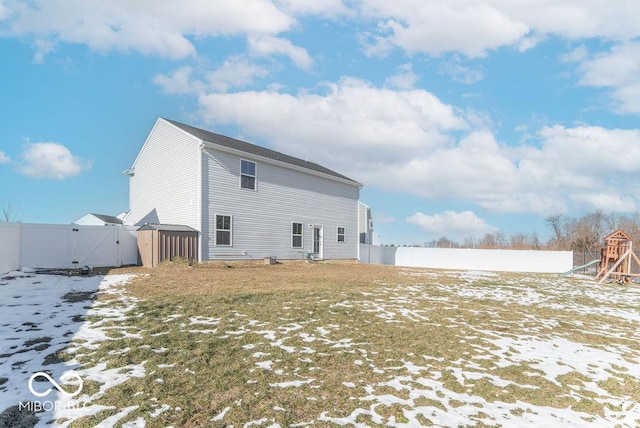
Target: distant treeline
{"points": [[585, 234]]}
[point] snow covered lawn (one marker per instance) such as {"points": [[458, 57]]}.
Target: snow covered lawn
{"points": [[46, 322], [324, 345]]}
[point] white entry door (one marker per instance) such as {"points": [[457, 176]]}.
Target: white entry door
{"points": [[317, 241]]}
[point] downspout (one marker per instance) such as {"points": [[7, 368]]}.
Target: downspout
{"points": [[200, 204], [360, 186], [358, 231]]}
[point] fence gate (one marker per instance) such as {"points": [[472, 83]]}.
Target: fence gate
{"points": [[94, 246], [65, 246]]}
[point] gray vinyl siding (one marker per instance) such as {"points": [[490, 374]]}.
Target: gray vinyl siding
{"points": [[262, 219], [165, 184]]}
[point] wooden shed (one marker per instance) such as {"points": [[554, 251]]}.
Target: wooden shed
{"points": [[158, 242]]}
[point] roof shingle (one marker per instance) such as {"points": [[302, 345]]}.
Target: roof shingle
{"points": [[243, 146]]}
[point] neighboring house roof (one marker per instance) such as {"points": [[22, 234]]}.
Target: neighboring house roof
{"points": [[221, 140], [92, 218], [107, 218], [167, 227]]}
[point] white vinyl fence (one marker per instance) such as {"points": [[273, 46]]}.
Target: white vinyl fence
{"points": [[66, 246], [469, 259]]}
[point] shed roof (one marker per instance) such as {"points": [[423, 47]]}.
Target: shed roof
{"points": [[168, 227], [243, 146]]}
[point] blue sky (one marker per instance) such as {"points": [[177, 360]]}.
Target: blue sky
{"points": [[461, 118]]}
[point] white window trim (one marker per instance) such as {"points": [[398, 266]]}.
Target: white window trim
{"points": [[215, 229], [301, 234], [343, 234], [255, 177]]}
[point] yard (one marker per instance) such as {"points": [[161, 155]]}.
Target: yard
{"points": [[322, 344]]}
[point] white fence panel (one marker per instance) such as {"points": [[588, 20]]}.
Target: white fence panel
{"points": [[45, 246], [64, 246], [9, 246], [471, 259], [377, 255], [127, 246]]}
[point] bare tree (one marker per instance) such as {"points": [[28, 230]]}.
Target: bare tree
{"points": [[445, 242], [587, 232], [556, 224], [630, 225], [584, 234], [519, 241], [535, 241], [9, 212], [469, 242]]}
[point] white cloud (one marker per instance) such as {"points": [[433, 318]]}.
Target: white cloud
{"points": [[4, 158], [42, 48], [151, 27], [328, 8], [473, 29], [577, 19], [461, 73], [269, 45], [178, 82], [451, 224], [440, 26], [235, 72], [411, 142], [618, 70], [51, 160], [166, 28], [352, 121], [4, 11], [577, 55], [405, 78]]}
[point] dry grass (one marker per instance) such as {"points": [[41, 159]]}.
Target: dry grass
{"points": [[231, 278], [297, 343]]}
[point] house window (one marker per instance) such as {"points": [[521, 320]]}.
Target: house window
{"points": [[342, 234], [247, 174], [223, 230], [296, 235]]}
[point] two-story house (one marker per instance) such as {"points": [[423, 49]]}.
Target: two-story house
{"points": [[245, 200]]}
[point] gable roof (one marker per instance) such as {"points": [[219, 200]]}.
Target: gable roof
{"points": [[232, 143], [107, 218]]}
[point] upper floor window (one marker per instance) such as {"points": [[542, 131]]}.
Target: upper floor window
{"points": [[247, 174]]}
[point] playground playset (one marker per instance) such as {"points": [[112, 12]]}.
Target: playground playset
{"points": [[616, 259]]}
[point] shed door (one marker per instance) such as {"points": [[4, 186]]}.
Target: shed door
{"points": [[145, 247]]}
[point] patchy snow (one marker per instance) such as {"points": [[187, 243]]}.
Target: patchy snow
{"points": [[37, 321], [41, 315], [159, 410], [220, 415], [112, 420], [265, 364], [421, 379], [292, 383]]}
